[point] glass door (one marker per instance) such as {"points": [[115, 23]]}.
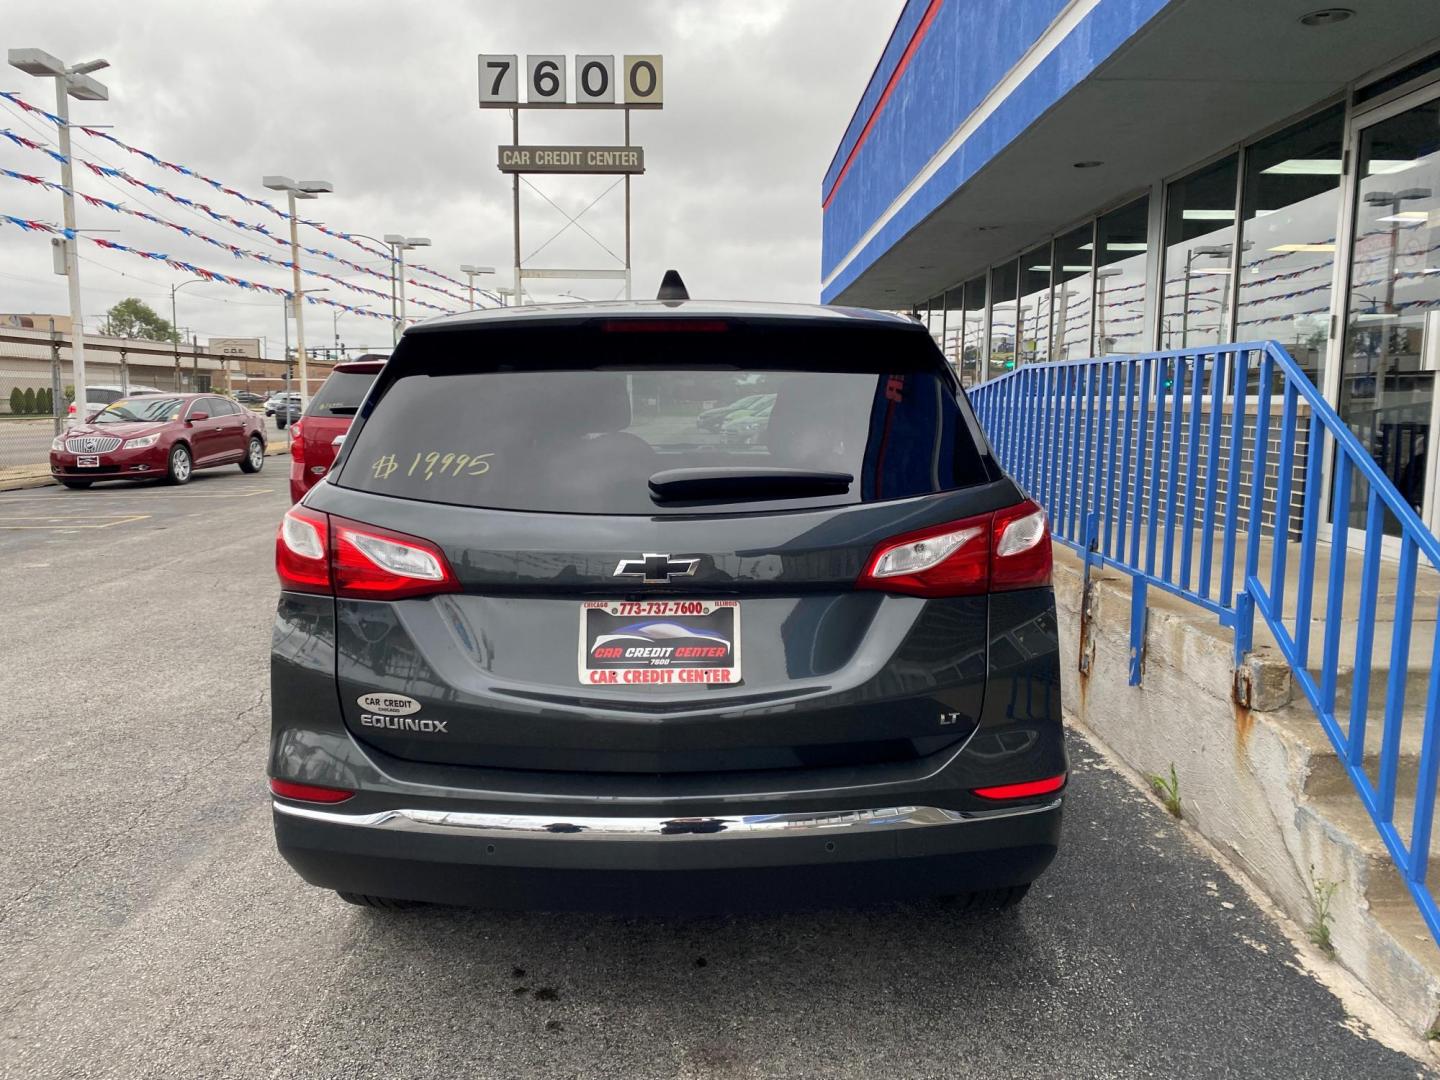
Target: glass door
{"points": [[1391, 336]]}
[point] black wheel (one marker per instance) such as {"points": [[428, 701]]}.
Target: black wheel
{"points": [[254, 459], [381, 903], [280, 421], [77, 485], [990, 899], [181, 465]]}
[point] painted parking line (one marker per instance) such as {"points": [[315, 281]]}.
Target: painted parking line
{"points": [[54, 522], [4, 501]]}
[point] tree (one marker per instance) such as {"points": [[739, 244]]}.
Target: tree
{"points": [[17, 401], [133, 318], [46, 400], [30, 401]]}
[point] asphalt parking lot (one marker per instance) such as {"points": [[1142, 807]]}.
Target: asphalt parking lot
{"points": [[148, 928]]}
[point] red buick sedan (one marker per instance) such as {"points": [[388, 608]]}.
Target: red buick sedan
{"points": [[151, 436]]}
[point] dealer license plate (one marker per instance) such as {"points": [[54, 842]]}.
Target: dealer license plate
{"points": [[660, 642], [87, 461]]}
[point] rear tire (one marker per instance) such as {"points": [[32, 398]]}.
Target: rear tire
{"points": [[380, 903], [989, 899], [181, 466], [254, 459], [280, 421], [77, 485]]}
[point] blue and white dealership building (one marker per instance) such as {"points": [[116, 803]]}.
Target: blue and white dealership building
{"points": [[1042, 180]]}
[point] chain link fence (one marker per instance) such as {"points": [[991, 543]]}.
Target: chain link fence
{"points": [[37, 385]]}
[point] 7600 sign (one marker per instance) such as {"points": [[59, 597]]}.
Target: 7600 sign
{"points": [[641, 81]]}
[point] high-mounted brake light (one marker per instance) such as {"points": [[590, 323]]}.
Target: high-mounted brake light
{"points": [[996, 552], [664, 326], [378, 564], [1028, 789], [288, 789]]}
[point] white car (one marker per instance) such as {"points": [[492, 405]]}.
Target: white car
{"points": [[98, 395]]}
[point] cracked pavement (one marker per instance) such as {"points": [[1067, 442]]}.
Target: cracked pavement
{"points": [[148, 929]]}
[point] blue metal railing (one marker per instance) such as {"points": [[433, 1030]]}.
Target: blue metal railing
{"points": [[1149, 464]]}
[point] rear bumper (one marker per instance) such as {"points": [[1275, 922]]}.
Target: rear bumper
{"points": [[725, 863]]}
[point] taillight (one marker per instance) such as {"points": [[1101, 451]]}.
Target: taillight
{"points": [[288, 789], [1022, 558], [378, 564], [1026, 790], [321, 553], [302, 551], [297, 442], [1007, 549]]}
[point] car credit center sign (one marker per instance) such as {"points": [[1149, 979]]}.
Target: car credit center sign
{"points": [[572, 159]]}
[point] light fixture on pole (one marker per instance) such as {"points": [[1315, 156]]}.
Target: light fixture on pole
{"points": [[305, 189], [72, 81], [1209, 251], [470, 272], [399, 245]]}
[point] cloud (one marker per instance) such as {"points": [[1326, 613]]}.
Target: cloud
{"points": [[380, 99]]}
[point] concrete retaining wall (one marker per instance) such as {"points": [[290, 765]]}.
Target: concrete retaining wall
{"points": [[1243, 776]]}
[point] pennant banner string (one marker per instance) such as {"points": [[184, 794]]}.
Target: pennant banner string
{"points": [[237, 252], [161, 163], [30, 225]]}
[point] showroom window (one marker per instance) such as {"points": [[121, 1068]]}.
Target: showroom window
{"points": [[1074, 284], [1199, 257], [1121, 248], [972, 341], [1289, 207], [1004, 280], [1033, 332]]}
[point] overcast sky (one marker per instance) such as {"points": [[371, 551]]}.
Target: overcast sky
{"points": [[383, 105]]}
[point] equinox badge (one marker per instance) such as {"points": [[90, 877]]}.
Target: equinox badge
{"points": [[656, 569]]}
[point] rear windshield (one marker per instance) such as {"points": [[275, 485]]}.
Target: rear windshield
{"points": [[341, 395], [588, 440]]}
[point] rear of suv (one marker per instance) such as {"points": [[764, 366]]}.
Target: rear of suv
{"points": [[545, 642], [316, 437]]}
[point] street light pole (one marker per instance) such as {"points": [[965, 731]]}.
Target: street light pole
{"points": [[175, 327], [305, 189], [470, 272], [72, 81], [399, 245]]}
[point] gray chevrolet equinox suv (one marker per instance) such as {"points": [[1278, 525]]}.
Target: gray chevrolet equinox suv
{"points": [[543, 641]]}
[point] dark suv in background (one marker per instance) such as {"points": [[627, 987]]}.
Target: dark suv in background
{"points": [[543, 641]]}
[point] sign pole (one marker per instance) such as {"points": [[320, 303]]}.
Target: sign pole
{"points": [[627, 209], [515, 141]]}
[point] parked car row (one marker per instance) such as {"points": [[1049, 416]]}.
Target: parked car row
{"points": [[284, 406], [742, 422], [152, 434]]}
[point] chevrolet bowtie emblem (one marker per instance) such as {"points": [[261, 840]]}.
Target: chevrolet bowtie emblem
{"points": [[656, 569]]}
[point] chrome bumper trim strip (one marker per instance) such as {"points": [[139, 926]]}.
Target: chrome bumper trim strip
{"points": [[534, 826]]}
